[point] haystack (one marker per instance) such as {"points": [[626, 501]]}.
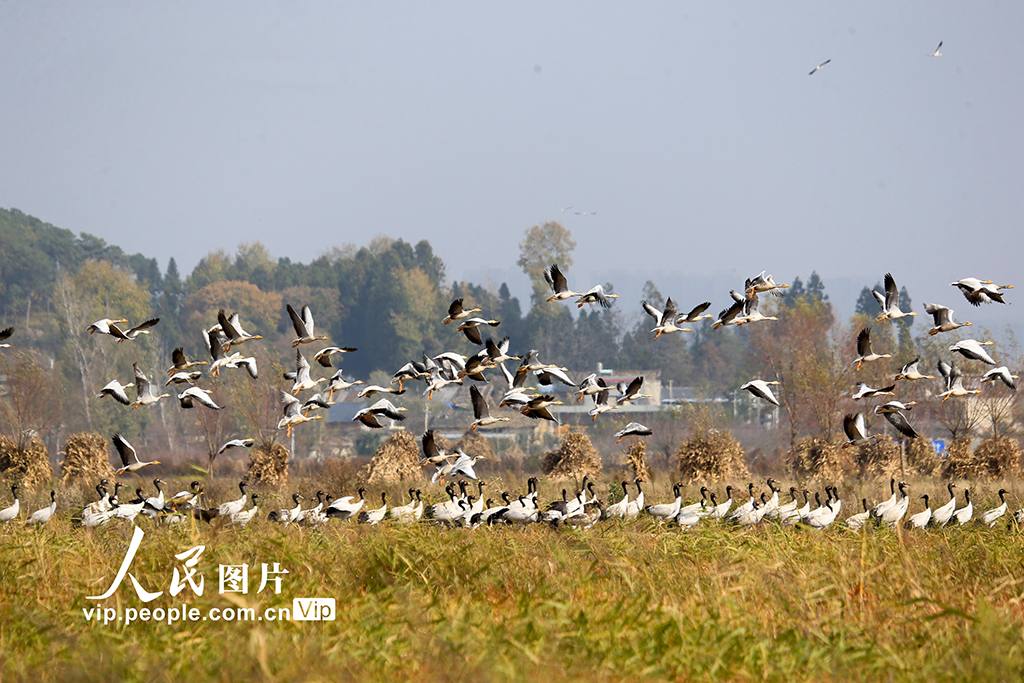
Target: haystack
{"points": [[880, 458], [396, 461], [28, 466], [268, 464], [921, 458], [85, 459], [710, 454], [574, 459], [513, 455], [635, 458], [819, 457], [960, 462], [996, 457]]}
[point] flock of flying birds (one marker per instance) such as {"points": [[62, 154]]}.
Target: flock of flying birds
{"points": [[936, 53], [450, 368]]}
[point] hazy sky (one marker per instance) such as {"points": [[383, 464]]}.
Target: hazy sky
{"points": [[693, 130]]}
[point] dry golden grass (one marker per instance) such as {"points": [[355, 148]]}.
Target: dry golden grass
{"points": [[575, 458], [28, 466], [268, 464], [633, 601], [396, 461]]}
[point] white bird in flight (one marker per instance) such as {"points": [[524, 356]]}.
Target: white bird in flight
{"points": [[938, 51], [819, 67]]}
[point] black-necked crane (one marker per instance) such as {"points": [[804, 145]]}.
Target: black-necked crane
{"points": [[942, 515], [855, 522], [243, 517], [43, 515], [10, 512], [990, 517], [374, 516], [347, 506], [921, 519], [964, 514], [233, 507]]}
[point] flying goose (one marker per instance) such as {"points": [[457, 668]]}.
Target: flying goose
{"points": [[180, 363], [632, 429], [304, 327], [131, 334], [596, 295], [145, 393], [183, 377], [864, 391], [232, 329], [537, 408], [763, 283], [731, 315], [890, 301], [666, 321], [942, 317], [866, 355], [481, 414], [631, 391], [819, 67], [302, 379], [103, 326], [469, 327], [978, 292], [236, 443], [974, 350], [194, 395], [323, 356], [897, 419], [938, 51], [1002, 373], [752, 313], [760, 388], [856, 430], [127, 454], [338, 383], [559, 286], [910, 371], [116, 390], [5, 334], [457, 312], [601, 403], [954, 379], [293, 416], [370, 416]]}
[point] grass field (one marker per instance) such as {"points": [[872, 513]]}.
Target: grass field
{"points": [[628, 601]]}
